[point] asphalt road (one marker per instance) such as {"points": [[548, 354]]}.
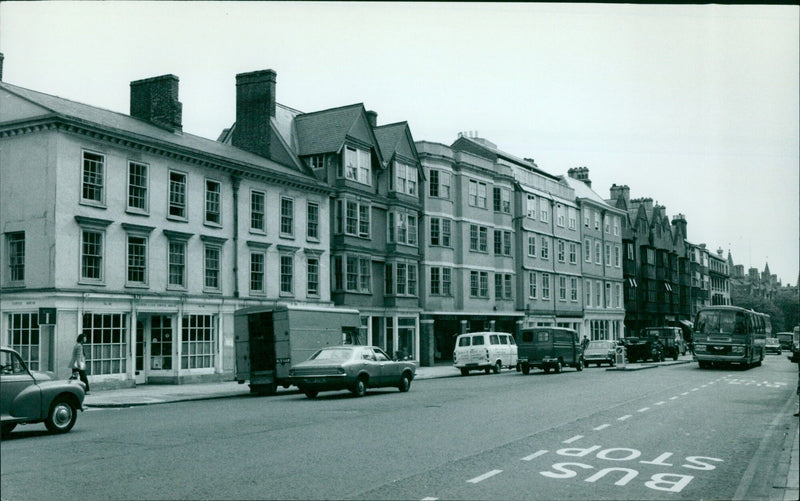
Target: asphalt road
{"points": [[666, 433]]}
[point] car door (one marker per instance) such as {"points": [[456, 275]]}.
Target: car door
{"points": [[20, 397], [390, 370], [369, 364]]}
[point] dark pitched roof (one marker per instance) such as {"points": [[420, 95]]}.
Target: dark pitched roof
{"points": [[396, 139], [325, 131], [143, 130]]}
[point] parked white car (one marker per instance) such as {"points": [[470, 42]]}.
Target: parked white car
{"points": [[484, 350]]}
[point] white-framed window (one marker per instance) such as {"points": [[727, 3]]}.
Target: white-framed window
{"points": [[598, 294], [587, 245], [477, 194], [560, 215], [211, 253], [545, 251], [608, 254], [287, 274], [106, 343], [607, 223], [507, 286], [478, 238], [357, 165], [176, 256], [440, 281], [405, 179], [531, 207], [532, 278], [479, 284], [544, 210], [312, 220], [16, 256], [439, 184], [608, 295], [198, 338], [258, 201], [257, 272], [23, 337], [616, 225], [316, 162], [617, 252], [137, 260], [402, 228], [573, 289], [353, 218], [287, 217], [587, 287], [353, 273], [138, 200], [596, 220], [532, 246], [501, 200], [440, 232], [618, 296], [177, 195], [573, 216], [312, 276], [562, 254], [93, 178], [401, 279], [573, 253], [92, 253], [598, 253], [586, 217], [562, 288], [545, 286], [213, 202]]}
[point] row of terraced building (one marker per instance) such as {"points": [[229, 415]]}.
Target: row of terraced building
{"points": [[148, 239]]}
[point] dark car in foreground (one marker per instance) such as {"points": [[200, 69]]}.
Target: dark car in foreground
{"points": [[599, 352], [33, 397], [773, 345], [353, 368]]}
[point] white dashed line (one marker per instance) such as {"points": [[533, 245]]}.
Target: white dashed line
{"points": [[660, 403], [534, 455], [673, 398], [643, 409], [483, 477], [573, 439], [623, 418], [685, 393], [429, 499], [695, 389], [601, 427]]}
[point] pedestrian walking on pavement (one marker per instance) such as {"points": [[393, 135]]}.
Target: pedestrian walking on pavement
{"points": [[584, 343], [78, 361]]}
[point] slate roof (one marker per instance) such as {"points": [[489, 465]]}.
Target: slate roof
{"points": [[476, 146], [389, 137], [325, 131], [583, 191], [143, 130]]}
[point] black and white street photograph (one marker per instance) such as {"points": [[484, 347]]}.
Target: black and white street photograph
{"points": [[424, 251]]}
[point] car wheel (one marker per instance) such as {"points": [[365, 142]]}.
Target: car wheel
{"points": [[497, 367], [311, 393], [62, 416], [586, 364], [579, 366], [547, 369], [526, 369], [487, 370], [612, 363], [558, 367], [405, 382], [7, 428], [465, 372], [703, 364], [360, 387]]}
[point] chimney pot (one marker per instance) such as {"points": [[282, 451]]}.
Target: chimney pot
{"points": [[372, 117]]}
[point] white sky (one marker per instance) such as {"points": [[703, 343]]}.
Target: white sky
{"points": [[695, 106]]}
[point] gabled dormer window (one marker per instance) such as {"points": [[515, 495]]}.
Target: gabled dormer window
{"points": [[356, 166], [405, 179]]}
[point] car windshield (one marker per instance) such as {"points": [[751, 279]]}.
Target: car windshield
{"points": [[599, 345], [772, 340], [334, 354]]}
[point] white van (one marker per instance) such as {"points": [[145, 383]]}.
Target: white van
{"points": [[484, 350]]}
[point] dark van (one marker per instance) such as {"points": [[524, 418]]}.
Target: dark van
{"points": [[548, 348]]}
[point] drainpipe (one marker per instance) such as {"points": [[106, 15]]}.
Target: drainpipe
{"points": [[235, 182]]}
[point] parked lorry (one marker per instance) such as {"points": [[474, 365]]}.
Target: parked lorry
{"points": [[548, 348], [269, 340], [671, 338]]}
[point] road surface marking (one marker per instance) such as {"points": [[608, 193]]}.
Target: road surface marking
{"points": [[703, 386], [601, 427], [695, 389], [660, 403], [623, 418], [685, 393], [534, 455], [673, 398], [643, 409], [573, 439], [430, 499], [483, 477]]}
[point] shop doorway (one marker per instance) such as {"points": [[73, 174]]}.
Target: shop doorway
{"points": [[154, 346]]}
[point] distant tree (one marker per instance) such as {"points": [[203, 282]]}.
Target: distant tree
{"points": [[788, 302]]}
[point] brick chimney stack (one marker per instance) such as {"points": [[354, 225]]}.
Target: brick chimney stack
{"points": [[372, 117], [679, 223], [623, 191], [255, 107], [1, 66], [156, 101], [581, 174]]}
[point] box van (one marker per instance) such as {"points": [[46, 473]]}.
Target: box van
{"points": [[549, 348], [484, 350]]}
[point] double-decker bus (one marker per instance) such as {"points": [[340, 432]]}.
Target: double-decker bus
{"points": [[730, 334]]}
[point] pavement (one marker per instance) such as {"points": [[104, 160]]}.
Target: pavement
{"points": [[165, 393]]}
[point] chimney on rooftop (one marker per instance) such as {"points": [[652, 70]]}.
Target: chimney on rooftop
{"points": [[255, 107], [581, 174], [1, 66], [156, 101], [621, 191], [372, 117]]}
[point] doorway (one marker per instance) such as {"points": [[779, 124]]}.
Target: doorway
{"points": [[154, 345]]}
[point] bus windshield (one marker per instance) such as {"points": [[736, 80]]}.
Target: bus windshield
{"points": [[719, 322]]}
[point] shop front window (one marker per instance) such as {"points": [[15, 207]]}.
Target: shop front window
{"points": [[406, 337], [23, 336], [198, 348], [106, 345]]}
